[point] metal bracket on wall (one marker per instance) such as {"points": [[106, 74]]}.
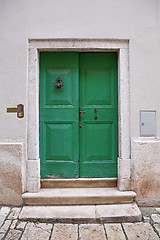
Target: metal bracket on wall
{"points": [[19, 110]]}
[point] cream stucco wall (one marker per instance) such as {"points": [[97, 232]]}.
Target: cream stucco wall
{"points": [[135, 20]]}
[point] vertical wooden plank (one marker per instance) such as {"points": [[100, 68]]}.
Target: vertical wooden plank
{"points": [[59, 115], [99, 99]]}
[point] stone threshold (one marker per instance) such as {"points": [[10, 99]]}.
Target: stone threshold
{"points": [[112, 213], [79, 183]]}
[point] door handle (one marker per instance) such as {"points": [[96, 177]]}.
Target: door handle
{"points": [[80, 111], [95, 111]]}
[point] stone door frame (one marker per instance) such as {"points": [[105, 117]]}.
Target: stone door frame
{"points": [[35, 46]]}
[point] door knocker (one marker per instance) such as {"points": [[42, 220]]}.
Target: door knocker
{"points": [[58, 83]]}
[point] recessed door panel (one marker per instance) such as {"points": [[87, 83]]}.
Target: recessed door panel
{"points": [[96, 150], [58, 148], [53, 95], [99, 80]]}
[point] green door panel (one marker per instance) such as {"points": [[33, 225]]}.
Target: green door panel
{"points": [[70, 148], [98, 137], [59, 148]]}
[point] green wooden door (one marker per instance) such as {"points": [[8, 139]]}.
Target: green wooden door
{"points": [[59, 119], [98, 98], [70, 146]]}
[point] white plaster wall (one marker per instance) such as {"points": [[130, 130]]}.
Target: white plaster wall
{"points": [[136, 20]]}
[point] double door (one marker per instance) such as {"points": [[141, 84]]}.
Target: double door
{"points": [[78, 115]]}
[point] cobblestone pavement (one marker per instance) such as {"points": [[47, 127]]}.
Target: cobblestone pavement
{"points": [[11, 228]]}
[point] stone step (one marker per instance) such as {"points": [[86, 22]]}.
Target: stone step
{"points": [[112, 213], [76, 196], [79, 183]]}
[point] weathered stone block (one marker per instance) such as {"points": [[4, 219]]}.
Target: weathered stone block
{"points": [[157, 227], [124, 184], [14, 222], [33, 175], [155, 218], [145, 170], [65, 232], [13, 235], [4, 228], [124, 168], [139, 231], [12, 177], [91, 231], [114, 232], [3, 214], [14, 213], [37, 231], [124, 181]]}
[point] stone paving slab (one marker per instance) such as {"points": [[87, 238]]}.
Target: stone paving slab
{"points": [[65, 232], [13, 235], [157, 228], [4, 228], [41, 231], [21, 225], [13, 225], [155, 218], [114, 231], [14, 213], [4, 211], [91, 231], [139, 231]]}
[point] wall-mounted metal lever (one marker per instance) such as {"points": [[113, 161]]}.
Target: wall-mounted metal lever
{"points": [[19, 110]]}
